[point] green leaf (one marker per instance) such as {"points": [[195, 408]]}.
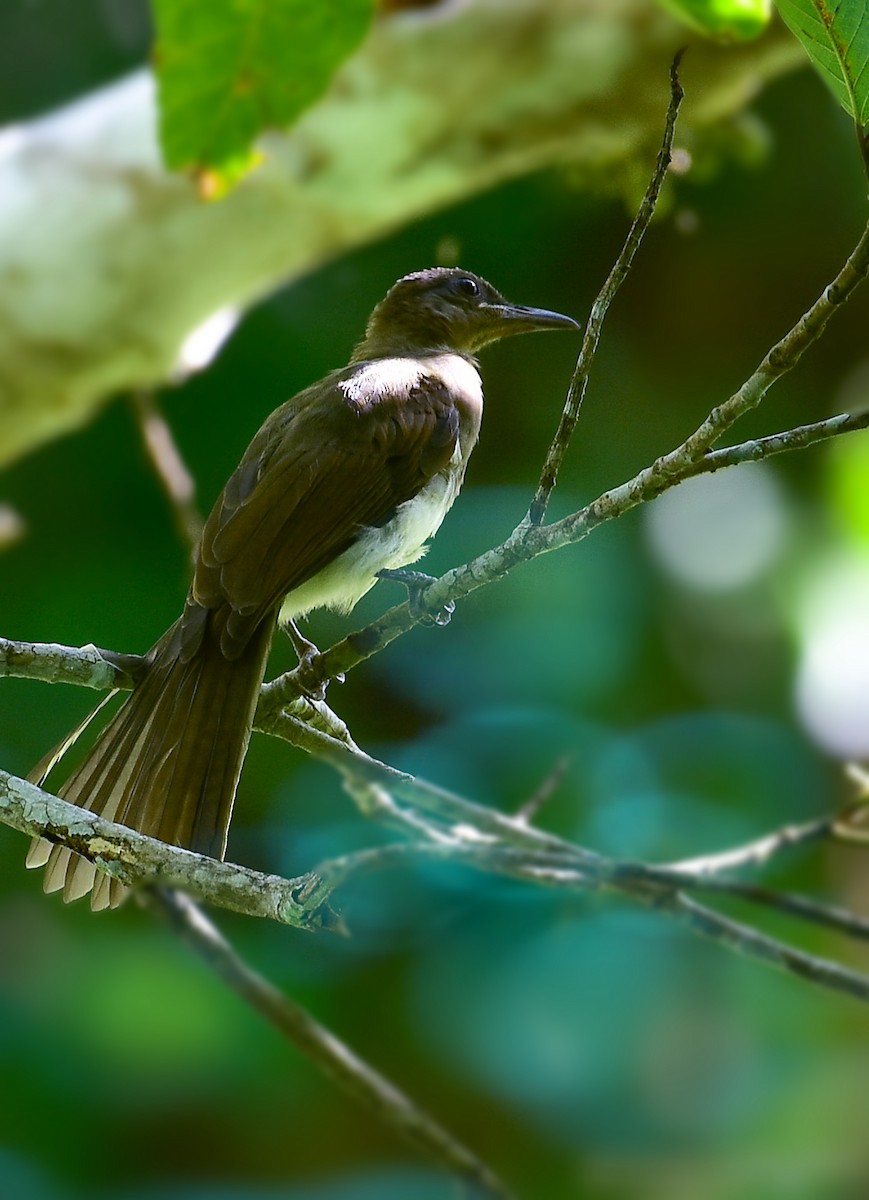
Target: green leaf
{"points": [[735, 19], [229, 69], [835, 35]]}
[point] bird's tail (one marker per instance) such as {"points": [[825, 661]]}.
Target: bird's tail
{"points": [[168, 762]]}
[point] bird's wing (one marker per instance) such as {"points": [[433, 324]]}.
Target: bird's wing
{"points": [[322, 468]]}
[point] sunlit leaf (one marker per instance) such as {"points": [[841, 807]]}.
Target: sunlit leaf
{"points": [[739, 19], [229, 69], [847, 473], [835, 35]]}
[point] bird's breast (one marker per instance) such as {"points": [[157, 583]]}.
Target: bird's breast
{"points": [[397, 378]]}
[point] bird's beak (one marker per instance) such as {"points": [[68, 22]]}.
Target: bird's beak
{"points": [[504, 320]]}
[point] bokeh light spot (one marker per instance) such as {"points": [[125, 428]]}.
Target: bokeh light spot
{"points": [[719, 531], [832, 688]]}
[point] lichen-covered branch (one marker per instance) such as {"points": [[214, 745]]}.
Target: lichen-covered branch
{"points": [[137, 860], [799, 438], [85, 666]]}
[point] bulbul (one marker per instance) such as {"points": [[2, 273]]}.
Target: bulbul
{"points": [[350, 477]]}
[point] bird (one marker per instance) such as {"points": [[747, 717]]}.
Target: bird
{"points": [[349, 478]]}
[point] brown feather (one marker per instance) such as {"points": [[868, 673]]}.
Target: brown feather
{"points": [[168, 762]]}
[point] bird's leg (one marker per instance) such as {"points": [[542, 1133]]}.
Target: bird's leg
{"points": [[416, 583], [313, 685]]}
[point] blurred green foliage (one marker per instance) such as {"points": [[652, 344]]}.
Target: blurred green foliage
{"points": [[849, 496], [226, 71], [738, 19], [586, 1049]]}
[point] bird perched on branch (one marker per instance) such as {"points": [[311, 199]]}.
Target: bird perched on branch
{"points": [[347, 479]]}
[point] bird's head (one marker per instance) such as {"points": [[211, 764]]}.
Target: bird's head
{"points": [[447, 309]]}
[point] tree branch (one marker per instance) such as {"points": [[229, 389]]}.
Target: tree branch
{"points": [[476, 837], [455, 828], [619, 273], [85, 666], [659, 888], [136, 859], [169, 466], [771, 951], [367, 1087], [757, 449]]}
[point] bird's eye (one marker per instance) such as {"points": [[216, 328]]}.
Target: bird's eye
{"points": [[466, 286]]}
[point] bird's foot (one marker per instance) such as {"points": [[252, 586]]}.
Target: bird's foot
{"points": [[417, 582], [312, 683]]}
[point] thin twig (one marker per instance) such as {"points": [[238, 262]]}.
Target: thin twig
{"points": [[366, 1086], [759, 946], [530, 808], [375, 803], [830, 916], [169, 466], [619, 273], [543, 859], [777, 443], [783, 357], [690, 458], [693, 456], [664, 474], [374, 785], [756, 853], [656, 888]]}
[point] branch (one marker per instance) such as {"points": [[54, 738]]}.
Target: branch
{"points": [[692, 457], [829, 916], [136, 859], [477, 837], [658, 888], [461, 830], [756, 853], [169, 466], [85, 666], [777, 443], [335, 1058], [619, 273], [771, 951]]}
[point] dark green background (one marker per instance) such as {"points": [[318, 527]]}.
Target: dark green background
{"points": [[584, 1048]]}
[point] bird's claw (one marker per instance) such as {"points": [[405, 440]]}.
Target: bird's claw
{"points": [[442, 616], [311, 682], [417, 582]]}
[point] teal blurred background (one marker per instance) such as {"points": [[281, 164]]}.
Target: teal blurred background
{"points": [[584, 1048]]}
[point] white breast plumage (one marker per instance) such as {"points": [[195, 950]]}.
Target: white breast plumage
{"points": [[387, 376]]}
